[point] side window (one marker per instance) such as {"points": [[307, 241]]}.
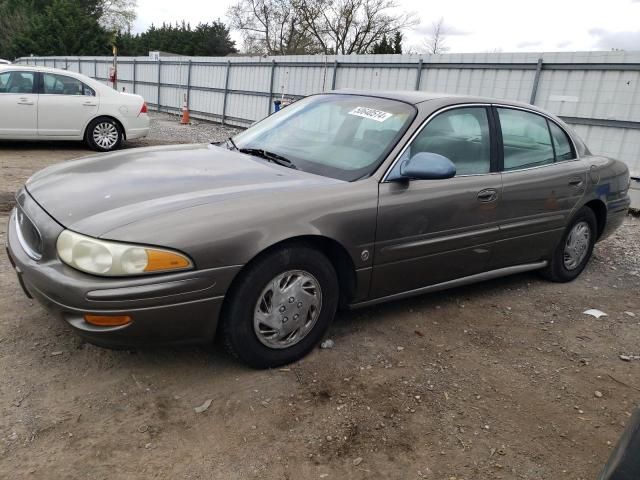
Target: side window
{"points": [[561, 143], [525, 138], [462, 135], [4, 82], [63, 85], [16, 82]]}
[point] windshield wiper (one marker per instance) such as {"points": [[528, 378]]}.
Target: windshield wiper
{"points": [[270, 156]]}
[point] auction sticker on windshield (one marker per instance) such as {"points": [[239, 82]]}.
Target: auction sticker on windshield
{"points": [[371, 114]]}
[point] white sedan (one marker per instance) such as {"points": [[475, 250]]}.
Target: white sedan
{"points": [[39, 103]]}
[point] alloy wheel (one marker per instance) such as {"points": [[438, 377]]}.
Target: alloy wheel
{"points": [[105, 134]]}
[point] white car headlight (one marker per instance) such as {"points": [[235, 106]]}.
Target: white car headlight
{"points": [[101, 257]]}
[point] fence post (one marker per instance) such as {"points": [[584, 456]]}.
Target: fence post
{"points": [[134, 75], [158, 103], [226, 92], [335, 72], [66, 63], [419, 74], [536, 80], [273, 74], [95, 68], [189, 84]]}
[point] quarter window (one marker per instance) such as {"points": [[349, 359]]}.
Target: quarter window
{"points": [[16, 82], [462, 135], [561, 143], [525, 138], [63, 85]]}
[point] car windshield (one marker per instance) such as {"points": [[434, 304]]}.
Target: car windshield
{"points": [[339, 136]]}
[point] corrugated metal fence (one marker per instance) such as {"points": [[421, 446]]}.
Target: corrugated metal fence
{"points": [[596, 92]]}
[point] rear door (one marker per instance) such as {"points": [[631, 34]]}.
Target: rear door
{"points": [[18, 104], [542, 182], [432, 231], [66, 106]]}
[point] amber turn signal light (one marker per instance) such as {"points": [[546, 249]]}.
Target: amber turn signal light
{"points": [[159, 260], [107, 320]]}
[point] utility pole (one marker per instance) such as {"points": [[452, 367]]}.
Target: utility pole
{"points": [[113, 71]]}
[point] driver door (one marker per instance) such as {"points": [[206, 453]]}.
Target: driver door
{"points": [[18, 104], [432, 231]]}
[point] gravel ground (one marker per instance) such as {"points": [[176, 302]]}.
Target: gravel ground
{"points": [[166, 129], [507, 379]]}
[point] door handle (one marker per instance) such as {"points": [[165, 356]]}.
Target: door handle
{"points": [[575, 182], [24, 101], [89, 104], [488, 195]]}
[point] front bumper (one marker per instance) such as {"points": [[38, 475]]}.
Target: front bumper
{"points": [[179, 308]]}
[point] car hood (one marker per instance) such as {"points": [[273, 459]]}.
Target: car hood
{"points": [[100, 193]]}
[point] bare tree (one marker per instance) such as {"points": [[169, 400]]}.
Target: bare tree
{"points": [[352, 26], [273, 27], [118, 15], [312, 26], [436, 41]]}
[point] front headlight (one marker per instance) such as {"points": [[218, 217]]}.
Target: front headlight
{"points": [[101, 257]]}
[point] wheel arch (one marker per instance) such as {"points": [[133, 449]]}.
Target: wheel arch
{"points": [[110, 117], [600, 210], [335, 252]]}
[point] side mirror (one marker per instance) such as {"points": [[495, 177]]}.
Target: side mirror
{"points": [[427, 166]]}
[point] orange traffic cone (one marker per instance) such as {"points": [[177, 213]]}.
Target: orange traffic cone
{"points": [[185, 112]]}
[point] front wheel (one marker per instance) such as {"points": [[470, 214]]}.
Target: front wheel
{"points": [[280, 307], [574, 250], [104, 134]]}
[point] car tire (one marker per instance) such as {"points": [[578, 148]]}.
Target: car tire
{"points": [[104, 134], [291, 300], [574, 249]]}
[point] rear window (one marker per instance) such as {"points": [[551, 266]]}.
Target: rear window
{"points": [[54, 84], [561, 143], [525, 138]]}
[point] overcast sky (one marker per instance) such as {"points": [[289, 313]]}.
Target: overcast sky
{"points": [[472, 25]]}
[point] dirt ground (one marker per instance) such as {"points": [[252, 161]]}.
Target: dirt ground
{"points": [[502, 380]]}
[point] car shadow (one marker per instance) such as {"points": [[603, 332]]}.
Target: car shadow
{"points": [[43, 145], [370, 317], [46, 145], [349, 322]]}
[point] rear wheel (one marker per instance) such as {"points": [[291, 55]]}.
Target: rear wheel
{"points": [[104, 134], [280, 307], [574, 250]]}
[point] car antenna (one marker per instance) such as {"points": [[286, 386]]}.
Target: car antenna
{"points": [[230, 140]]}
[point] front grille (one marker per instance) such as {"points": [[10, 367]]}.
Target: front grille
{"points": [[28, 235]]}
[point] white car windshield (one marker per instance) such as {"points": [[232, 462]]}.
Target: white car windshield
{"points": [[338, 135]]}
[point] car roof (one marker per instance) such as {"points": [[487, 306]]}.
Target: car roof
{"points": [[37, 68], [415, 97]]}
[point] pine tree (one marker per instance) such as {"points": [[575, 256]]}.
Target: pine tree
{"points": [[397, 43], [65, 27]]}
